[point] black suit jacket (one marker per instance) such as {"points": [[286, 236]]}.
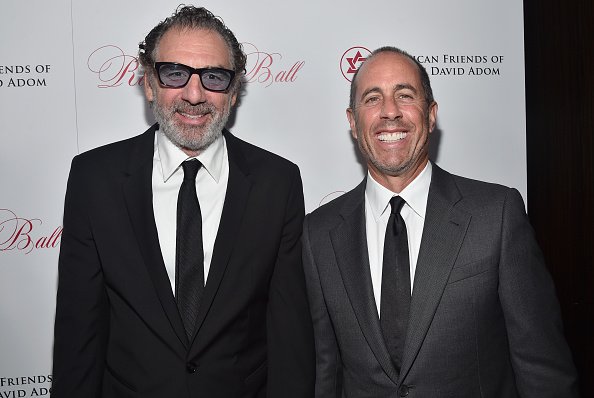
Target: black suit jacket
{"points": [[118, 332], [484, 319]]}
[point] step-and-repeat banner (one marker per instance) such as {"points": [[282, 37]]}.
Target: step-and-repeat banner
{"points": [[70, 81]]}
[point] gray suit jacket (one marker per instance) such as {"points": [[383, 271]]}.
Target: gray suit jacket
{"points": [[484, 318]]}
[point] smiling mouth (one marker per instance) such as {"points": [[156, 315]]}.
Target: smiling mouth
{"points": [[192, 115], [392, 137]]}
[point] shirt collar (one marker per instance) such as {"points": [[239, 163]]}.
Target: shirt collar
{"points": [[172, 157], [415, 194]]}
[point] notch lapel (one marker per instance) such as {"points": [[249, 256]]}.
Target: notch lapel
{"points": [[350, 247], [137, 189], [443, 234]]}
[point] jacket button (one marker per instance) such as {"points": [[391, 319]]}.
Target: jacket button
{"points": [[403, 390], [191, 367]]}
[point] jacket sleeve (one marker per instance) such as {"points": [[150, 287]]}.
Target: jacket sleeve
{"points": [[289, 329], [328, 363], [81, 323], [540, 356]]}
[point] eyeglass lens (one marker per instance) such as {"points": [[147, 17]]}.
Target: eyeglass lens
{"points": [[177, 75]]}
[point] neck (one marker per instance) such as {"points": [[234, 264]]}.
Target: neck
{"points": [[397, 183]]}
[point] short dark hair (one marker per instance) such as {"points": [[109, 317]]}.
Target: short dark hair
{"points": [[425, 82], [190, 17]]}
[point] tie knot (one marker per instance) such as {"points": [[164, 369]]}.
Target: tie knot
{"points": [[191, 168], [396, 203]]}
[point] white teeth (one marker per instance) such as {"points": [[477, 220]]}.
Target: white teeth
{"points": [[391, 137], [192, 116]]}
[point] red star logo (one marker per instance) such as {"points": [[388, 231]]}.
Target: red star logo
{"points": [[358, 58], [351, 61]]}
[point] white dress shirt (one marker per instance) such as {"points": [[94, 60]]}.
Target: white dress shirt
{"points": [[377, 213], [211, 187]]}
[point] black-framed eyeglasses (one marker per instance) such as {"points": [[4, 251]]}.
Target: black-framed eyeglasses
{"points": [[174, 75]]}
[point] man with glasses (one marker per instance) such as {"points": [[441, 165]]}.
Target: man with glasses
{"points": [[180, 265]]}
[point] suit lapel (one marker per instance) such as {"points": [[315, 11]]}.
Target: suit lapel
{"points": [[238, 188], [137, 190], [350, 247], [443, 233]]}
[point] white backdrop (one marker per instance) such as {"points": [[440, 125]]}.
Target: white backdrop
{"points": [[69, 83]]}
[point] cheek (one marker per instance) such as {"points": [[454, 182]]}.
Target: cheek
{"points": [[365, 122], [165, 97], [219, 101], [416, 115], [225, 102]]}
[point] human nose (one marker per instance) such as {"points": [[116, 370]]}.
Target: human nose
{"points": [[391, 109], [193, 92]]}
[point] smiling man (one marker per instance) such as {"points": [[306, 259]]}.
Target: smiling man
{"points": [[180, 268], [422, 283]]}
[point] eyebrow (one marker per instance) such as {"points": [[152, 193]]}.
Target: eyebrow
{"points": [[405, 86], [370, 90]]}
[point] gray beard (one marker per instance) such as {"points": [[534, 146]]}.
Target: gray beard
{"points": [[191, 137]]}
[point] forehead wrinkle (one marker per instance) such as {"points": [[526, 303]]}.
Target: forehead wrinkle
{"points": [[175, 34]]}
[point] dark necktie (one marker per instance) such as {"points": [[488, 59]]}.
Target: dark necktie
{"points": [[395, 300], [189, 255]]}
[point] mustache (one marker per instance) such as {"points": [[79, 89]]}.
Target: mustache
{"points": [[197, 109]]}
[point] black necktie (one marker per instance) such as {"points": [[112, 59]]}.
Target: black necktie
{"points": [[395, 300], [189, 256]]}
